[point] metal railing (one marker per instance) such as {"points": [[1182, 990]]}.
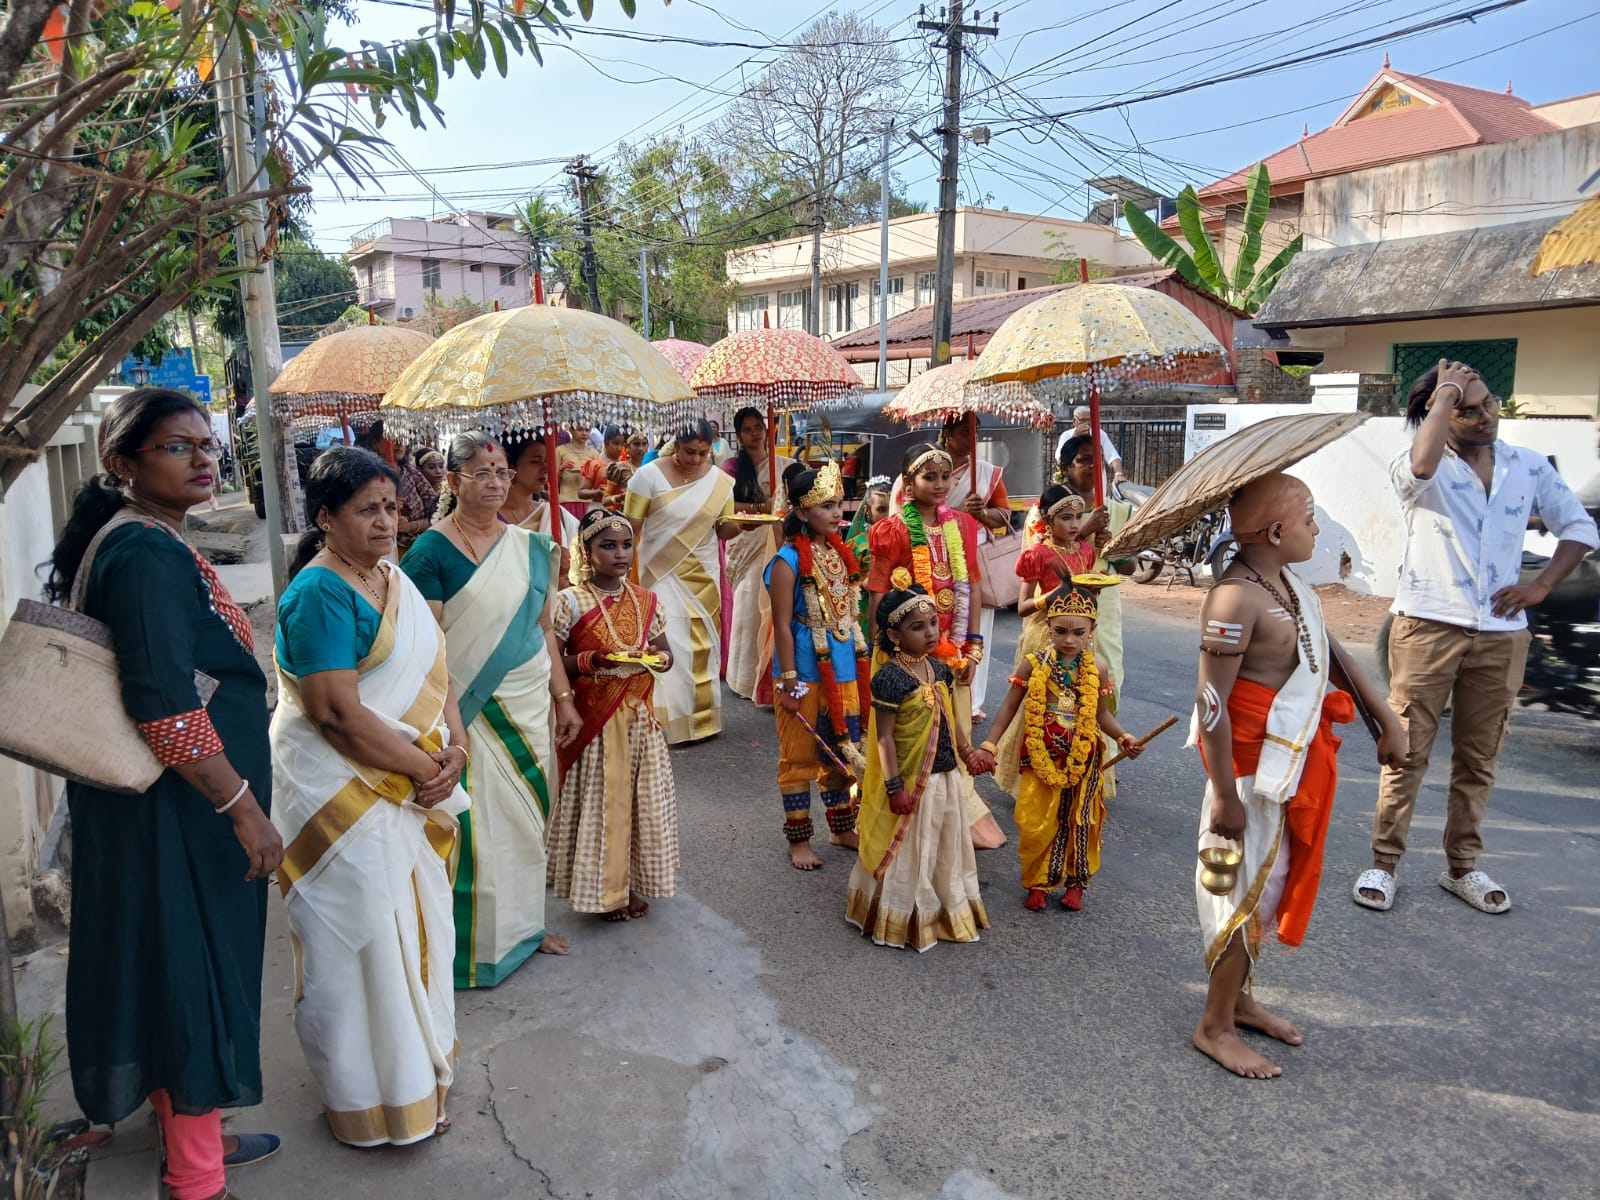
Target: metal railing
{"points": [[1151, 450]]}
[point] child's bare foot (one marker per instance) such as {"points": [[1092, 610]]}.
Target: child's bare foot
{"points": [[987, 834], [554, 945], [1228, 1050], [1036, 900], [803, 858], [851, 840], [1072, 898], [616, 914], [1253, 1016], [637, 905]]}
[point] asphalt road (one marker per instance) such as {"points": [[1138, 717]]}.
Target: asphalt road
{"points": [[744, 1041]]}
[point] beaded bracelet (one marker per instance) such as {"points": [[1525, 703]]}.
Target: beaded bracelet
{"points": [[894, 784]]}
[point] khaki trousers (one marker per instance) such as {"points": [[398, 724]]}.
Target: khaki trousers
{"points": [[1479, 674]]}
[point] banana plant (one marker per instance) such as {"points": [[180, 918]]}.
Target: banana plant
{"points": [[1245, 286]]}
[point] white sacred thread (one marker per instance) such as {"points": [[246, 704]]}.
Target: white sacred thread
{"points": [[1279, 614], [1210, 708], [1223, 631]]}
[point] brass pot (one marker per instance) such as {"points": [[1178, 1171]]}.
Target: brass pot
{"points": [[1219, 869]]}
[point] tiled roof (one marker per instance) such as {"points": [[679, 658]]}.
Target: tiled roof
{"points": [[1465, 272], [1463, 116]]}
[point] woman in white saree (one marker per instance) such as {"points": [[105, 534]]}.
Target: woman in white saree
{"points": [[680, 505], [367, 753], [757, 480], [490, 586]]}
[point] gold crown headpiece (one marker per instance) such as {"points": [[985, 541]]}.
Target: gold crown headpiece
{"points": [[609, 525], [1073, 602], [829, 484]]}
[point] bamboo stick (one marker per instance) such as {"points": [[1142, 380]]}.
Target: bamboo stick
{"points": [[1122, 754]]}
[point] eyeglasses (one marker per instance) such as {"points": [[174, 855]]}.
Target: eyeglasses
{"points": [[211, 448], [484, 476], [1472, 412]]}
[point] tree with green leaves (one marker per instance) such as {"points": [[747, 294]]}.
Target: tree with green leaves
{"points": [[113, 204], [1245, 286], [312, 289]]}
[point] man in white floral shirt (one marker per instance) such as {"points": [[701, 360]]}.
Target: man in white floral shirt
{"points": [[1460, 635]]}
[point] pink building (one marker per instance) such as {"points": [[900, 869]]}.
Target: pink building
{"points": [[400, 261]]}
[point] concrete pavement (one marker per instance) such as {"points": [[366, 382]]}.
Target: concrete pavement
{"points": [[743, 1041]]}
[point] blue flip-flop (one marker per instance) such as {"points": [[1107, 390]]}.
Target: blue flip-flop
{"points": [[253, 1147]]}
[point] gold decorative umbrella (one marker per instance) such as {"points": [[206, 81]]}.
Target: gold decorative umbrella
{"points": [[1210, 478], [1574, 242], [527, 369], [1069, 343], [344, 375], [938, 394]]}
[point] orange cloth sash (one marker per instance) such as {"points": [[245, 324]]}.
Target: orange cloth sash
{"points": [[598, 697], [1311, 806]]}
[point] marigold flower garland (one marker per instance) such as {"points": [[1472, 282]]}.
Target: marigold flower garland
{"points": [[952, 596], [823, 617], [1048, 669]]}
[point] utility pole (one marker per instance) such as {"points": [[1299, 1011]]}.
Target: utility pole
{"points": [[260, 307], [644, 293], [580, 170], [816, 265], [883, 262], [944, 287]]}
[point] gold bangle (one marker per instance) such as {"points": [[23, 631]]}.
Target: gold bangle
{"points": [[560, 696], [788, 675], [990, 747], [462, 746]]}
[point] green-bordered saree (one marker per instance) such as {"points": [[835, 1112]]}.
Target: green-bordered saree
{"points": [[500, 667]]}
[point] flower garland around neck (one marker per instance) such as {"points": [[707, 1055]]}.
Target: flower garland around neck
{"points": [[1049, 671], [948, 583], [831, 585]]}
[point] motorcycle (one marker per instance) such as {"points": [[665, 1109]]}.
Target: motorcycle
{"points": [[1205, 543], [1563, 671]]}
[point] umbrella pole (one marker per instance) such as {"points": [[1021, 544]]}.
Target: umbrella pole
{"points": [[552, 473], [972, 447], [772, 453], [1094, 434]]}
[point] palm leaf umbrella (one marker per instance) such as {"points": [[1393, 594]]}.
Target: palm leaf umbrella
{"points": [[345, 375], [527, 369], [1210, 478], [786, 368], [1069, 343]]}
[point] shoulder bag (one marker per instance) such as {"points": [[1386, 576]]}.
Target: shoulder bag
{"points": [[61, 692]]}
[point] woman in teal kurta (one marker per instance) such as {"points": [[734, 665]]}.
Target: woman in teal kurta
{"points": [[489, 584], [329, 625], [169, 887]]}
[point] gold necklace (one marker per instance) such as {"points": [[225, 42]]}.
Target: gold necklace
{"points": [[912, 666], [621, 594], [472, 550], [366, 580]]}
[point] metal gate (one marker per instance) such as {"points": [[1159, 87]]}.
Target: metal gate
{"points": [[1493, 358], [1151, 450]]}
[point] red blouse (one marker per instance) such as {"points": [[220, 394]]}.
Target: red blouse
{"points": [[1042, 564], [890, 544]]}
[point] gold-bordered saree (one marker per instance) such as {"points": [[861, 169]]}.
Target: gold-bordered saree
{"points": [[678, 561], [366, 884]]}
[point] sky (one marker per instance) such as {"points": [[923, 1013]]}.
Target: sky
{"points": [[504, 139]]}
